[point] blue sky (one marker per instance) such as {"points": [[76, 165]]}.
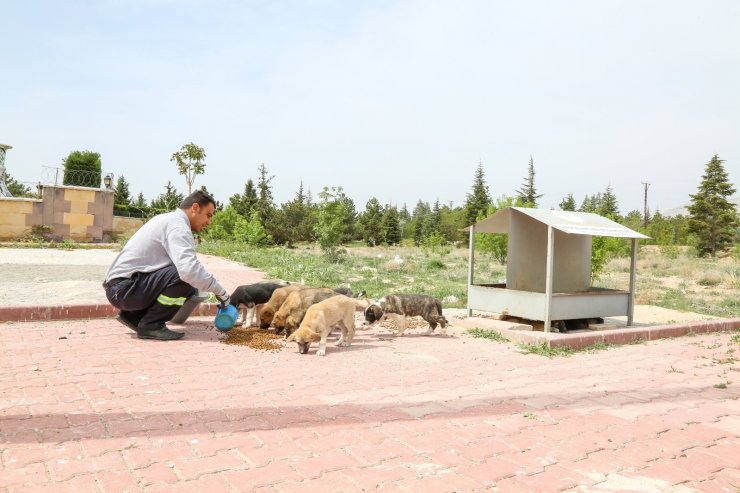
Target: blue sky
{"points": [[397, 100]]}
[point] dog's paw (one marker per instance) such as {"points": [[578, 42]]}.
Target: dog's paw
{"points": [[321, 352]]}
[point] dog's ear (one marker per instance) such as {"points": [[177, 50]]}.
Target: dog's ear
{"points": [[315, 337]]}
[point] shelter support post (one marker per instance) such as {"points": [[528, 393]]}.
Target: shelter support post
{"points": [[633, 279], [471, 261], [548, 276]]}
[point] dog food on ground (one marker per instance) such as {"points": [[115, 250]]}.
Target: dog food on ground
{"points": [[255, 338], [411, 323]]}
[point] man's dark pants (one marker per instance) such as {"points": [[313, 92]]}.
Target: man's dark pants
{"points": [[150, 299]]}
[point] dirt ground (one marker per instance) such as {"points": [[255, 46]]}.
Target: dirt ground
{"points": [[34, 277]]}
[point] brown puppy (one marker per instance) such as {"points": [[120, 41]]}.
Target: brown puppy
{"points": [[291, 312], [322, 318], [273, 304], [398, 307]]}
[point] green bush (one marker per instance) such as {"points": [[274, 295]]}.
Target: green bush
{"points": [[83, 168]]}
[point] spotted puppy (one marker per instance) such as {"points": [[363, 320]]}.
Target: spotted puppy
{"points": [[399, 307]]}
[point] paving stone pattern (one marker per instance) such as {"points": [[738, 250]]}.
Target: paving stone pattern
{"points": [[86, 407]]}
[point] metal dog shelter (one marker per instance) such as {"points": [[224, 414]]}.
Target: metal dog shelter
{"points": [[548, 268]]}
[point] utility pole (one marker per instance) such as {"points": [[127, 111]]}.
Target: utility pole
{"points": [[645, 213]]}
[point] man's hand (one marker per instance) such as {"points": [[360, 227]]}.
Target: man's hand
{"points": [[223, 299]]}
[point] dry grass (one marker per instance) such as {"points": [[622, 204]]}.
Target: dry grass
{"points": [[677, 280]]}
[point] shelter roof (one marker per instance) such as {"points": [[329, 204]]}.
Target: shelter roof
{"points": [[580, 223]]}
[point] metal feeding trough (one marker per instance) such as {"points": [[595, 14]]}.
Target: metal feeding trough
{"points": [[548, 268]]}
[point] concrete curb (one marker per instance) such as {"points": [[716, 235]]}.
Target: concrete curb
{"points": [[617, 336], [77, 312]]}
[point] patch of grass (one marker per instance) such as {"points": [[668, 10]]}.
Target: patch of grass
{"points": [[725, 361], [720, 385], [492, 335], [544, 350], [662, 281]]}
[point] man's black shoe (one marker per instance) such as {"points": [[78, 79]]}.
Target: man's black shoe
{"points": [[129, 321], [162, 334]]}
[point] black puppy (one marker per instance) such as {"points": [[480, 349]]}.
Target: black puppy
{"points": [[252, 297]]}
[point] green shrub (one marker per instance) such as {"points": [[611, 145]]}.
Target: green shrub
{"points": [[83, 168]]}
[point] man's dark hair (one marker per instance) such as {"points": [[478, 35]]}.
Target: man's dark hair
{"points": [[198, 197]]}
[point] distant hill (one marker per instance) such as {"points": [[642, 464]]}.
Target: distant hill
{"points": [[683, 210]]}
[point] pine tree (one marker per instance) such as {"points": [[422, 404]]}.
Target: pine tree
{"points": [[568, 203], [712, 217], [169, 200], [390, 226], [140, 200], [265, 205], [371, 222], [479, 199], [297, 218], [608, 206], [586, 205], [418, 218], [121, 195], [244, 203], [528, 194]]}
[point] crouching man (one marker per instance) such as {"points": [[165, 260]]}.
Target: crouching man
{"points": [[158, 270]]}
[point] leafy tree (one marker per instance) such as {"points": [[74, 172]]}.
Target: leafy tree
{"points": [[528, 193], [224, 224], [478, 200], [82, 168], [245, 202], [251, 232], [169, 200], [452, 223], [189, 161], [371, 220], [390, 226], [660, 230], [712, 217], [331, 222], [16, 188], [497, 244], [122, 196], [568, 203], [633, 220]]}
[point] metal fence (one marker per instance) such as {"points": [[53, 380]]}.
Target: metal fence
{"points": [[81, 178]]}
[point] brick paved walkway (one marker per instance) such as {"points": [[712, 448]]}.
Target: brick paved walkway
{"points": [[86, 407]]}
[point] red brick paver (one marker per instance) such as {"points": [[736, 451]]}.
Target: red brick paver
{"points": [[84, 406]]}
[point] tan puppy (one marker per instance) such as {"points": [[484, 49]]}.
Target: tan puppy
{"points": [[291, 312], [273, 304], [322, 318]]}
